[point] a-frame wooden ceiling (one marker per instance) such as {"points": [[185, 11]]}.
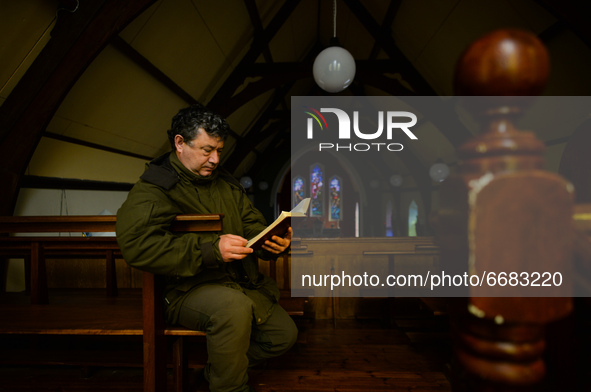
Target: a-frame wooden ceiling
{"points": [[108, 75]]}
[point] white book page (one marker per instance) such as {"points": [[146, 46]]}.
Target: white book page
{"points": [[302, 207]]}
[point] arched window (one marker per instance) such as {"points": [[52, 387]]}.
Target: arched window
{"points": [[317, 190], [336, 199], [413, 213], [298, 188]]}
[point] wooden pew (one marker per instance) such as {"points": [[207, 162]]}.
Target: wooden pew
{"points": [[114, 316], [503, 211], [118, 317]]}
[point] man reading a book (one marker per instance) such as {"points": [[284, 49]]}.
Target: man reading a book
{"points": [[213, 282]]}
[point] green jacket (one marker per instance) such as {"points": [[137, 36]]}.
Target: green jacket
{"points": [[187, 260]]}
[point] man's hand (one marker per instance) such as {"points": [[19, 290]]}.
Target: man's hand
{"points": [[232, 247], [277, 245]]}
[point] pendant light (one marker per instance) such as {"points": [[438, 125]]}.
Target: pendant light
{"points": [[334, 67], [439, 171], [246, 182], [396, 180]]}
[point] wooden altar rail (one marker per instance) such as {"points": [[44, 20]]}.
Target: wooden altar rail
{"points": [[118, 316]]}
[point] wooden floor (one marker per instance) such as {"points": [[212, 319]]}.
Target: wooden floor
{"points": [[359, 357], [412, 353]]}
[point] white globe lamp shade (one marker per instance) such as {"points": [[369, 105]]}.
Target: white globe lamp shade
{"points": [[246, 182], [439, 171], [334, 69]]}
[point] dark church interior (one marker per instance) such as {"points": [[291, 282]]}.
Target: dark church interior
{"points": [[88, 92]]}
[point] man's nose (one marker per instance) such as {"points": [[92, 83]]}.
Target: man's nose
{"points": [[214, 157]]}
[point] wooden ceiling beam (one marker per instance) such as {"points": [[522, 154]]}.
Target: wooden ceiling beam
{"points": [[444, 117], [252, 134], [274, 128], [137, 58], [280, 148], [96, 146], [275, 75], [255, 89], [63, 37], [393, 8], [552, 31], [39, 182], [259, 33], [389, 85], [237, 76], [276, 155], [305, 67], [76, 40], [574, 13], [407, 70], [273, 80], [282, 124]]}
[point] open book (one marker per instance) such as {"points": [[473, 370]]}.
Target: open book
{"points": [[280, 225]]}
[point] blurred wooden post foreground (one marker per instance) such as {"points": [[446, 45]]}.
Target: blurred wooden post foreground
{"points": [[501, 213]]}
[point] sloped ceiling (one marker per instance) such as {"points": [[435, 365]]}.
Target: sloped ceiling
{"points": [[246, 58]]}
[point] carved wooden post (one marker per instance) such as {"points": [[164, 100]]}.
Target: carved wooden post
{"points": [[502, 212]]}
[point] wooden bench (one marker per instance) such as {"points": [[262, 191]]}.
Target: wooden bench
{"points": [[118, 316]]}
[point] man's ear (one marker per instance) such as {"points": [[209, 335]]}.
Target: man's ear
{"points": [[178, 142]]}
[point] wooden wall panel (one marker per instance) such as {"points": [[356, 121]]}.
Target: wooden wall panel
{"points": [[352, 255], [390, 255]]}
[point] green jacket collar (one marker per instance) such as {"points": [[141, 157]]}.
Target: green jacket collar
{"points": [[166, 171], [187, 174]]}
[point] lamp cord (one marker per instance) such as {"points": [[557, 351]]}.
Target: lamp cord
{"points": [[334, 18]]}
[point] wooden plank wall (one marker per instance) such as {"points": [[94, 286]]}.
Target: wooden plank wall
{"points": [[381, 253], [90, 273]]}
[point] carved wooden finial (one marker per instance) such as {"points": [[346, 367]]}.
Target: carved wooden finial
{"points": [[506, 62], [506, 69]]}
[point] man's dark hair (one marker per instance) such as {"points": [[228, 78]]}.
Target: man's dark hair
{"points": [[188, 121]]}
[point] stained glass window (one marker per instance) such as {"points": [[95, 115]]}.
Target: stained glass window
{"points": [[299, 185], [335, 199], [413, 212], [317, 190]]}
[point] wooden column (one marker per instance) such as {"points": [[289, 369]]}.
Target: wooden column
{"points": [[503, 212]]}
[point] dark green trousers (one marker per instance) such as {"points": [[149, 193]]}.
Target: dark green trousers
{"points": [[234, 340]]}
